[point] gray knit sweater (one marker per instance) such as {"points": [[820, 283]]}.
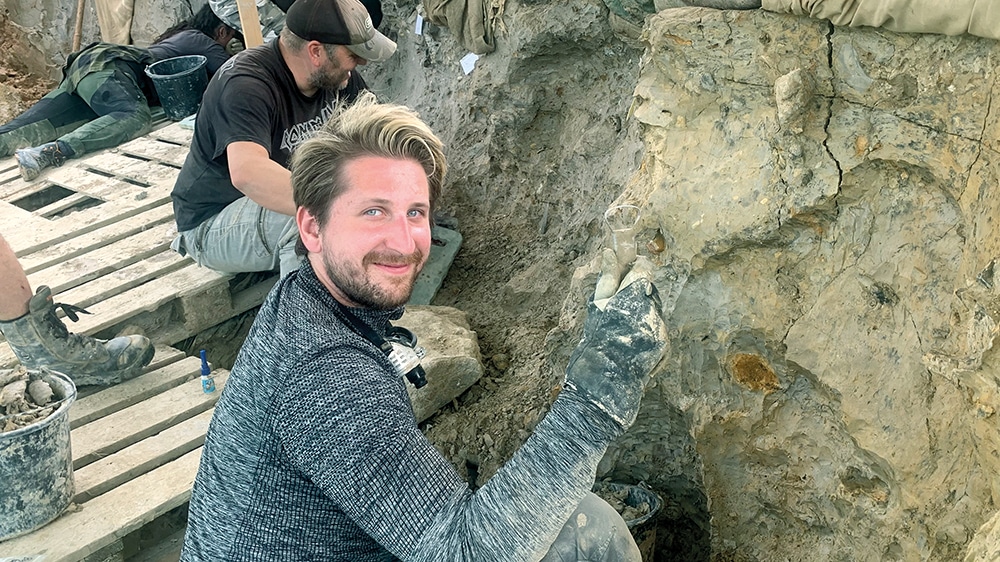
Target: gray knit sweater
{"points": [[314, 454]]}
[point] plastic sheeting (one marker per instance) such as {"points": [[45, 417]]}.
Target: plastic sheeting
{"points": [[271, 16]]}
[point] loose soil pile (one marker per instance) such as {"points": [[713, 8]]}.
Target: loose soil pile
{"points": [[618, 498], [25, 399]]}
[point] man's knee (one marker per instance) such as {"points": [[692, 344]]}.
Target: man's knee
{"points": [[243, 237], [594, 532]]}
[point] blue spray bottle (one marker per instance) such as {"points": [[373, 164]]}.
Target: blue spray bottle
{"points": [[207, 382]]}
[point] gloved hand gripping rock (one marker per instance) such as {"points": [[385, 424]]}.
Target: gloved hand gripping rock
{"points": [[620, 347]]}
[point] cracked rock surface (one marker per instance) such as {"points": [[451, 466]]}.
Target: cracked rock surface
{"points": [[835, 192]]}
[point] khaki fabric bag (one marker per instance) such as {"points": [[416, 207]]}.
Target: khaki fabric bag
{"points": [[470, 21], [949, 17], [115, 19]]}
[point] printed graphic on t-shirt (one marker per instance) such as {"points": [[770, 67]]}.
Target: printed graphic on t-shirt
{"points": [[226, 66], [300, 132]]}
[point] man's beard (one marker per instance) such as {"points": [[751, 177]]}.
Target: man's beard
{"points": [[329, 77], [355, 284]]}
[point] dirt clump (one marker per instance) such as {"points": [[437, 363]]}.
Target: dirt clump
{"points": [[25, 398], [617, 497]]}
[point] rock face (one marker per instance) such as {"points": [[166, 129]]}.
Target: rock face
{"points": [[41, 32], [835, 192]]}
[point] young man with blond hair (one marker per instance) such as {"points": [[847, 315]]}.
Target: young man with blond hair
{"points": [[314, 452]]}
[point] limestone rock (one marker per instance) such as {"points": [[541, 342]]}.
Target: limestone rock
{"points": [[452, 363], [832, 349], [150, 18], [985, 545]]}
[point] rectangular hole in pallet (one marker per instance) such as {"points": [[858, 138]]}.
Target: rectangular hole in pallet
{"points": [[100, 172], [42, 198], [170, 142], [85, 202], [125, 179], [134, 181]]}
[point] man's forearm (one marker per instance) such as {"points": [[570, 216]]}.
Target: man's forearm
{"points": [[520, 511], [261, 179]]}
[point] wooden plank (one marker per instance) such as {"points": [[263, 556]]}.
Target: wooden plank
{"points": [[116, 431], [77, 271], [171, 150], [39, 233], [11, 182], [130, 392], [18, 225], [8, 173], [124, 279], [89, 241], [62, 206], [17, 191], [161, 139], [85, 178], [132, 462], [150, 297], [165, 355], [109, 517], [173, 133], [253, 296], [11, 188], [250, 22], [138, 170]]}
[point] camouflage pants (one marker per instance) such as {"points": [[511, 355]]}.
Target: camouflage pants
{"points": [[105, 109]]}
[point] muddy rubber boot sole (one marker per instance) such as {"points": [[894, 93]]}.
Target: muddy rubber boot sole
{"points": [[28, 165], [31, 161]]}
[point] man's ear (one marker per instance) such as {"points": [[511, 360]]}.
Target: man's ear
{"points": [[316, 53], [309, 230]]}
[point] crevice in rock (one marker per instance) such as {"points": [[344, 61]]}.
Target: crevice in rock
{"points": [[829, 110]]}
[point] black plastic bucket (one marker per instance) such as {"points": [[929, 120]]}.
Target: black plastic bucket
{"points": [[36, 466], [180, 83], [647, 502]]}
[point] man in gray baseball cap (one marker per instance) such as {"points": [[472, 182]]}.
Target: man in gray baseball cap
{"points": [[233, 197], [339, 22]]}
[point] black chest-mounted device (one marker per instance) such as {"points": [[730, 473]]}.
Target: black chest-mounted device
{"points": [[399, 345]]}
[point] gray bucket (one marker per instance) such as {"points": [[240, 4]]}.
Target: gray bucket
{"points": [[36, 466], [180, 83]]}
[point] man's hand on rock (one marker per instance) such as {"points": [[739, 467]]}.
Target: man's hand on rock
{"points": [[624, 337]]}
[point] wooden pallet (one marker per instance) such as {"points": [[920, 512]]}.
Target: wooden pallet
{"points": [[97, 232], [135, 448]]}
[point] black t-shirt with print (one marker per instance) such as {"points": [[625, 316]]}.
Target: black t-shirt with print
{"points": [[253, 97]]}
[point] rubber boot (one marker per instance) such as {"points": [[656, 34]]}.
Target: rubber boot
{"points": [[31, 161], [39, 339]]}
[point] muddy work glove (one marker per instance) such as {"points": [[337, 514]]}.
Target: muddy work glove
{"points": [[624, 337]]}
